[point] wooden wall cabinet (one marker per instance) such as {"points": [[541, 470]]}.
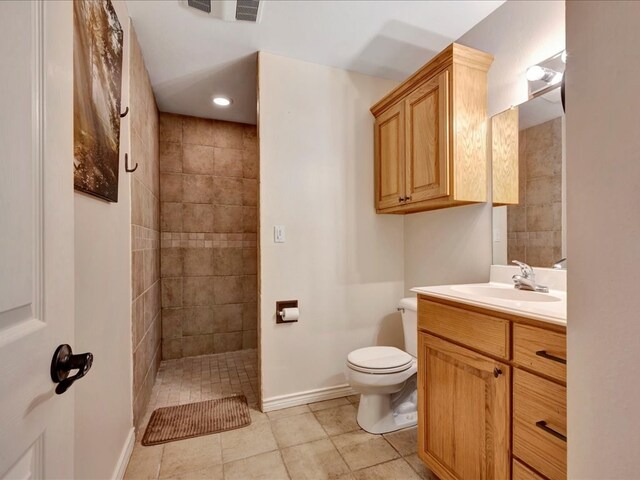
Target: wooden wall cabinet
{"points": [[485, 378], [430, 135], [504, 158]]}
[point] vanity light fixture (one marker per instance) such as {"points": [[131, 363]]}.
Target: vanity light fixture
{"points": [[538, 73], [221, 101]]}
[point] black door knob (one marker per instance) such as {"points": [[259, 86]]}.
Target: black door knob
{"points": [[63, 362]]}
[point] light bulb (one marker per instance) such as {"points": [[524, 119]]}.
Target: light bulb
{"points": [[222, 101]]}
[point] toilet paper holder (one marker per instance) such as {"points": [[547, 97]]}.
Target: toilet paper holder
{"points": [[285, 304]]}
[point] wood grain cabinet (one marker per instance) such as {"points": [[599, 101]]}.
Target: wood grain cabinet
{"points": [[430, 135], [491, 394]]}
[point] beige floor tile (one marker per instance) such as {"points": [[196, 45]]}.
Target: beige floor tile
{"points": [[266, 466], [394, 470], [336, 402], [420, 468], [361, 449], [338, 420], [298, 429], [190, 455], [288, 412], [210, 473], [257, 415], [316, 460], [248, 441], [144, 462], [354, 399], [404, 441]]}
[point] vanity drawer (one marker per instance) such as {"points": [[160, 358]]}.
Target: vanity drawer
{"points": [[540, 424], [519, 471], [482, 332], [540, 350]]}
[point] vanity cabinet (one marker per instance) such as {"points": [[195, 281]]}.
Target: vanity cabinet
{"points": [[491, 393], [430, 135]]}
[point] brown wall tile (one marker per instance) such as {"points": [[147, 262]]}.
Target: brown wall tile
{"points": [[170, 157], [249, 219], [197, 159], [198, 320], [170, 128], [171, 262], [172, 292], [228, 290], [227, 191], [249, 192], [228, 135], [203, 192], [197, 291], [171, 348], [171, 217], [198, 261], [197, 217], [197, 189], [249, 316], [250, 164], [171, 187], [227, 261], [227, 162], [172, 322], [197, 345], [198, 131], [228, 219], [228, 317]]}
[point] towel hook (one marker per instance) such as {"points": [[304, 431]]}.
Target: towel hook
{"points": [[126, 164], [124, 114]]}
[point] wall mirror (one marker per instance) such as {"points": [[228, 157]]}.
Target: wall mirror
{"points": [[528, 162]]}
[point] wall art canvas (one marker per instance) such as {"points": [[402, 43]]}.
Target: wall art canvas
{"points": [[97, 80]]}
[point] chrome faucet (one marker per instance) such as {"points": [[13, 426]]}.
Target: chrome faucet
{"points": [[527, 279]]}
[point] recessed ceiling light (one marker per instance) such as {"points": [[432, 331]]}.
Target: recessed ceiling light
{"points": [[221, 101]]}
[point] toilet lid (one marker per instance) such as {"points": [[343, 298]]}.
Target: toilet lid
{"points": [[380, 359]]}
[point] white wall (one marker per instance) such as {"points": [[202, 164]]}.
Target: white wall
{"points": [[103, 415], [455, 245], [603, 168], [341, 261]]}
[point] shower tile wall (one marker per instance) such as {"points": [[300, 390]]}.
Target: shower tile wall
{"points": [[535, 224], [208, 193], [145, 234]]}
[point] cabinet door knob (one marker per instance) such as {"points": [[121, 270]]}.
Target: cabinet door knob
{"points": [[497, 372], [401, 199]]}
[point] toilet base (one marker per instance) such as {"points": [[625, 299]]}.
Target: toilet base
{"points": [[384, 413]]}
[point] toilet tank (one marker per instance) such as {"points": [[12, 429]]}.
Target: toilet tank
{"points": [[409, 310]]}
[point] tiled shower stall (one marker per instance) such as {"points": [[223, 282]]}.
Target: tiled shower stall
{"points": [[208, 225]]}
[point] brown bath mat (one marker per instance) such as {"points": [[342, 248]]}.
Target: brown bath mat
{"points": [[169, 424]]}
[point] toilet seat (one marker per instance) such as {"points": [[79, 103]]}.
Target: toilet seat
{"points": [[379, 360]]}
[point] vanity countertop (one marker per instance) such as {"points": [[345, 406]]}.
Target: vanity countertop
{"points": [[554, 311]]}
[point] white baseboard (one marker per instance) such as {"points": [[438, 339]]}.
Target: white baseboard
{"points": [[309, 396], [125, 455]]}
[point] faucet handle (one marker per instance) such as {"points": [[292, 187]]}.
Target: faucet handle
{"points": [[527, 271]]}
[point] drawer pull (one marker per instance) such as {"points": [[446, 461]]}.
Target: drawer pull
{"points": [[543, 425], [544, 354]]}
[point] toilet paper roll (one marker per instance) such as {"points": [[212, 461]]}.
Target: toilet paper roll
{"points": [[290, 314]]}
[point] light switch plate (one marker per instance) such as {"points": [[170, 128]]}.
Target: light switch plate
{"points": [[278, 234]]}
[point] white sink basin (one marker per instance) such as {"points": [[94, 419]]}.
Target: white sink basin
{"points": [[505, 293]]}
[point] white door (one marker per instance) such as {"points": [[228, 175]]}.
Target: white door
{"points": [[36, 236]]}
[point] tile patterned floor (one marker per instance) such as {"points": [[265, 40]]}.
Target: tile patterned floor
{"points": [[316, 441]]}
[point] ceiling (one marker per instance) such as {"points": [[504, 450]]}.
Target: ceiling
{"points": [[192, 56]]}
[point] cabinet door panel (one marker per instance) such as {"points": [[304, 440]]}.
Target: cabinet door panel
{"points": [[389, 157], [426, 112], [463, 412]]}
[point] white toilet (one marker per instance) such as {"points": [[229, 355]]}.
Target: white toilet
{"points": [[386, 379]]}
